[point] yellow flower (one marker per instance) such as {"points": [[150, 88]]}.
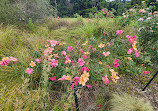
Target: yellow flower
{"points": [[101, 45], [69, 61], [32, 64], [85, 43], [134, 45], [55, 54], [68, 77], [85, 76], [82, 81], [50, 56], [112, 70], [86, 53], [114, 78]]}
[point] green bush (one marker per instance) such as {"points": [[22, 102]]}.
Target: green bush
{"points": [[9, 14], [13, 12]]}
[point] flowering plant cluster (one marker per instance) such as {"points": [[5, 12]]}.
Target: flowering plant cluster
{"points": [[148, 26], [82, 64], [6, 60], [145, 19], [108, 13]]}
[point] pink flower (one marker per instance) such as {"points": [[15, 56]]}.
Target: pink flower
{"points": [[58, 17], [132, 39], [88, 19], [56, 55], [81, 61], [108, 66], [45, 52], [64, 53], [69, 48], [5, 61], [67, 61], [53, 78], [76, 79], [89, 47], [50, 50], [104, 33], [54, 63], [72, 62], [119, 32], [85, 69], [89, 86], [94, 49], [84, 56], [82, 51], [104, 12], [29, 70], [102, 9], [37, 60], [14, 60], [146, 72], [49, 18], [106, 53], [130, 51], [72, 85], [116, 64], [52, 42], [67, 57], [137, 53], [105, 79], [128, 36], [63, 77]]}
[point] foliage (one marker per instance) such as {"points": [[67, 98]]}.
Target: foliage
{"points": [[84, 7], [31, 25], [147, 23], [13, 12], [9, 14]]}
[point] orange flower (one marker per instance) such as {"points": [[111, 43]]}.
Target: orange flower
{"points": [[86, 53], [46, 45], [114, 78], [129, 58], [100, 62]]}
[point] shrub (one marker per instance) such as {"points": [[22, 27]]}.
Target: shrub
{"points": [[13, 12], [9, 14]]}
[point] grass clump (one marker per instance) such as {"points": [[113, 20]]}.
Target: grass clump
{"points": [[126, 102]]}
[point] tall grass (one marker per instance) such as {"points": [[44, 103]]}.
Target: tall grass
{"points": [[19, 97]]}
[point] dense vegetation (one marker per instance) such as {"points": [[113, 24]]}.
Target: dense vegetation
{"points": [[106, 54]]}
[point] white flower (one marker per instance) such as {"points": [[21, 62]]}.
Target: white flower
{"points": [[141, 19], [148, 18]]}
